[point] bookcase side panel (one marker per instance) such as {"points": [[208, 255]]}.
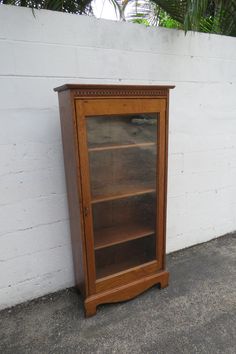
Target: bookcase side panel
{"points": [[166, 180], [72, 173]]}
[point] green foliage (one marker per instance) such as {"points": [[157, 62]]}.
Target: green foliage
{"points": [[149, 13], [167, 21], [141, 21], [214, 16], [211, 16], [70, 6]]}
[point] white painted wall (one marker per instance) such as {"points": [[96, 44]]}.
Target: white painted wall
{"points": [[50, 49]]}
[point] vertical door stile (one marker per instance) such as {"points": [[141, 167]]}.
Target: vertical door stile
{"points": [[161, 145], [86, 195]]}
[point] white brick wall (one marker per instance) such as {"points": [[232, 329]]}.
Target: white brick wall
{"points": [[39, 53]]}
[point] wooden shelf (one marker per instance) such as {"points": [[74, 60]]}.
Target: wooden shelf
{"points": [[127, 265], [124, 146], [132, 192], [119, 234], [111, 269]]}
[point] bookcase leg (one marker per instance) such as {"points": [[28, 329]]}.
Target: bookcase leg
{"points": [[90, 309], [164, 282]]}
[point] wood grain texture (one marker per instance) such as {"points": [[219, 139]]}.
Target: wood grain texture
{"points": [[124, 146], [72, 168], [165, 181], [133, 191], [111, 236], [125, 292], [127, 276], [95, 252], [86, 195], [161, 176], [97, 107]]}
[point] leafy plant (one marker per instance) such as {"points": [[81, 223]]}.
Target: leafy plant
{"points": [[215, 16], [70, 6], [212, 16]]}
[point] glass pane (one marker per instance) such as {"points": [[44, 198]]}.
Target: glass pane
{"points": [[124, 256], [124, 219], [122, 162], [118, 130], [117, 171]]}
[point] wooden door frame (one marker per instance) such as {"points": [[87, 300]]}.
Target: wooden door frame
{"points": [[86, 107]]}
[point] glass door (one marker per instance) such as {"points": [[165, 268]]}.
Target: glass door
{"points": [[122, 156]]}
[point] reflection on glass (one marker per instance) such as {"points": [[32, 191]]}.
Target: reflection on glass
{"points": [[117, 130], [122, 161]]}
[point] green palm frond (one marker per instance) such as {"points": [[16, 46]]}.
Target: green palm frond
{"points": [[215, 16], [70, 6]]}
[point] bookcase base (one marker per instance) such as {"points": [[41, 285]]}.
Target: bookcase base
{"points": [[125, 292]]}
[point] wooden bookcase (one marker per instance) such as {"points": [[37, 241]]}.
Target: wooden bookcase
{"points": [[115, 152]]}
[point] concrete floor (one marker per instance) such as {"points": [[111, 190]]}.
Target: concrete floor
{"points": [[195, 314]]}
